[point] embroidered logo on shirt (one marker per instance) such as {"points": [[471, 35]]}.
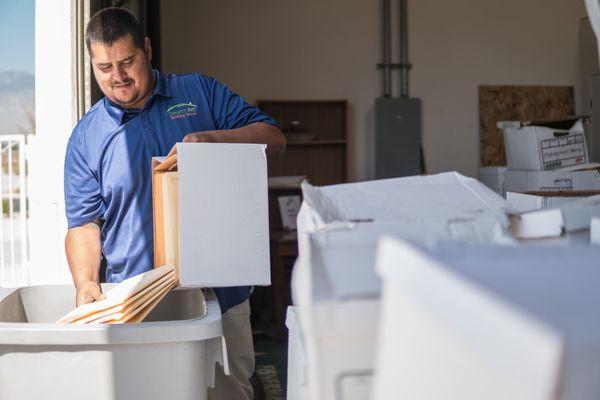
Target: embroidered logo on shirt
{"points": [[182, 110]]}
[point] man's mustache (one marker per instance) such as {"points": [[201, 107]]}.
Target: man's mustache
{"points": [[122, 83]]}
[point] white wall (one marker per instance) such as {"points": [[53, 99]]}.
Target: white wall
{"points": [[323, 49], [55, 118]]}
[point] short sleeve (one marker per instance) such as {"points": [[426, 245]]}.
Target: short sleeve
{"points": [[230, 111], [83, 198]]}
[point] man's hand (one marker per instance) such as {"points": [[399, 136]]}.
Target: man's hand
{"points": [[201, 137], [258, 132], [197, 137], [87, 292]]}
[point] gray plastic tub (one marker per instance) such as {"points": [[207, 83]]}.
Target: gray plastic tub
{"points": [[171, 355]]}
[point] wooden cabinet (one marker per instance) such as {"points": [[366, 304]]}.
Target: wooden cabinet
{"points": [[317, 149], [317, 139]]}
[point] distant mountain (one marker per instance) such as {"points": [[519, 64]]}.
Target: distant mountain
{"points": [[17, 102], [16, 80]]}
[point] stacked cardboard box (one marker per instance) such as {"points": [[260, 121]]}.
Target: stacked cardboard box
{"points": [[549, 168], [548, 156]]}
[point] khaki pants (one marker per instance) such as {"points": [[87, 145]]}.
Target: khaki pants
{"points": [[240, 351]]}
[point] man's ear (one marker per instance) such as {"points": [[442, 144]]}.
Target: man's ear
{"points": [[147, 49]]}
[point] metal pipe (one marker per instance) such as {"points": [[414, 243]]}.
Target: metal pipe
{"points": [[404, 66], [387, 48]]}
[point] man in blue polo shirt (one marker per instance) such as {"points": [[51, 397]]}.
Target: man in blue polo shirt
{"points": [[108, 190]]}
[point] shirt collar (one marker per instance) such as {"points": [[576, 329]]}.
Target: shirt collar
{"points": [[161, 88]]}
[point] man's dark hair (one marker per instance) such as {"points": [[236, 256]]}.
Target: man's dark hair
{"points": [[111, 24]]}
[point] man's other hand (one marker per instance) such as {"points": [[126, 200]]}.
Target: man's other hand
{"points": [[87, 292]]}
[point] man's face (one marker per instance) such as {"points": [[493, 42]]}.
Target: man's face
{"points": [[123, 71]]}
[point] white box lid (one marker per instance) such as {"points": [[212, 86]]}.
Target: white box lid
{"points": [[440, 195]]}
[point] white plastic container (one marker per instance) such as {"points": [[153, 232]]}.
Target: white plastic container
{"points": [[171, 356]]}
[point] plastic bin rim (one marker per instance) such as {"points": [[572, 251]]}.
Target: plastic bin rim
{"points": [[195, 329]]}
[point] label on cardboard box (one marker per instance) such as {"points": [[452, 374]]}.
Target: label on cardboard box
{"points": [[563, 151]]}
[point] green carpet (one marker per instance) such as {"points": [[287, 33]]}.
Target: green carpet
{"points": [[271, 368]]}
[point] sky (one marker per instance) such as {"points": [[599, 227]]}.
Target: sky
{"points": [[17, 24]]}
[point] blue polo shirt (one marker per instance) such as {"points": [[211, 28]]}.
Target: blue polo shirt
{"points": [[108, 164]]}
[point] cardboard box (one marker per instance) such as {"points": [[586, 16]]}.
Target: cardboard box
{"points": [[543, 181], [546, 145], [531, 201], [492, 177], [488, 322], [334, 284], [211, 214]]}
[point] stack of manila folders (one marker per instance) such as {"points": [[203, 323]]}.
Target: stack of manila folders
{"points": [[129, 301], [134, 298]]}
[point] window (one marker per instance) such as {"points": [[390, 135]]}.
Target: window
{"points": [[17, 121]]}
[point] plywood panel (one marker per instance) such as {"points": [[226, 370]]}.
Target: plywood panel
{"points": [[506, 103]]}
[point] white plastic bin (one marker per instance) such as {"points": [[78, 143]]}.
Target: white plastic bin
{"points": [[171, 356]]}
